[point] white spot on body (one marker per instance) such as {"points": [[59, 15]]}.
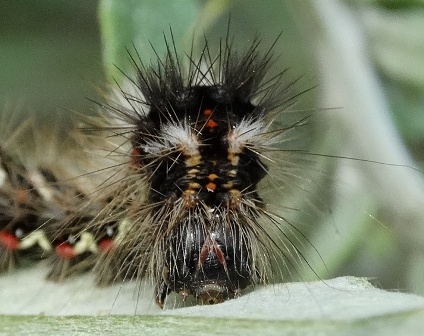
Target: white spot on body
{"points": [[86, 243], [36, 237], [40, 184]]}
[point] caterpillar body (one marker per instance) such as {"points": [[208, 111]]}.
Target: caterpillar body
{"points": [[193, 192], [199, 139], [185, 211]]}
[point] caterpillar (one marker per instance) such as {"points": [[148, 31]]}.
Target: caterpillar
{"points": [[200, 142], [191, 179], [186, 211], [195, 191], [39, 191]]}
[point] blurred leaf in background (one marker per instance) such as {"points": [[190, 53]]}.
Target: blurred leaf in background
{"points": [[371, 60], [50, 55]]}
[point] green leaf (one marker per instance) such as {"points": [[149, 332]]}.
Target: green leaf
{"points": [[341, 306], [133, 22], [396, 41]]}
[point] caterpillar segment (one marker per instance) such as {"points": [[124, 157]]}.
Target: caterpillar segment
{"points": [[21, 219], [41, 188]]}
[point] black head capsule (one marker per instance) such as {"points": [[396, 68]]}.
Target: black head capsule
{"points": [[209, 262]]}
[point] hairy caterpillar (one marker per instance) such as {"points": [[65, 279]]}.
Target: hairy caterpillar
{"points": [[187, 209], [39, 191], [201, 141], [189, 203]]}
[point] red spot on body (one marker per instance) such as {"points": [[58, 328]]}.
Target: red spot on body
{"points": [[21, 195], [211, 247], [106, 245], [65, 251], [219, 255], [211, 187], [135, 155], [211, 124], [8, 240]]}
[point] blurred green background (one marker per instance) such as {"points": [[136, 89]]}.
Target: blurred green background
{"points": [[50, 55], [367, 58]]}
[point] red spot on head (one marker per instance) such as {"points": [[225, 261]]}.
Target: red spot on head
{"points": [[106, 245], [65, 251], [9, 240]]}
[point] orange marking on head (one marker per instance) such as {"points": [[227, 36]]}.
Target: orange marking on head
{"points": [[210, 247]]}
